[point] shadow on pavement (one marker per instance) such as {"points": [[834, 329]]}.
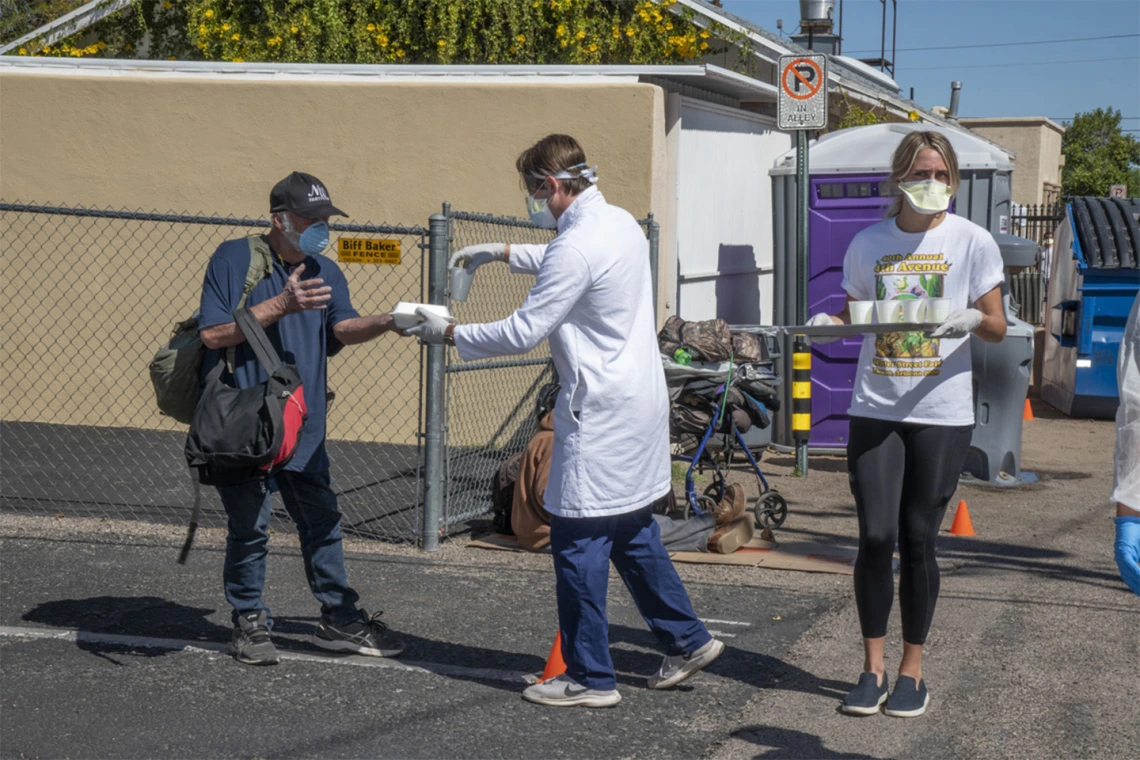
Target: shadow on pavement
{"points": [[788, 743], [976, 555], [755, 669], [144, 616], [154, 617]]}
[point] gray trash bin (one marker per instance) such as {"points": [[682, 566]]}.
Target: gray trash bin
{"points": [[1001, 384]]}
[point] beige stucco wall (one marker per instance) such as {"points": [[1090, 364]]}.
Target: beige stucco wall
{"points": [[93, 298], [1037, 143]]}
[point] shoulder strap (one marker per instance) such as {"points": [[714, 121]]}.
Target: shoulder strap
{"points": [[260, 267], [257, 340]]}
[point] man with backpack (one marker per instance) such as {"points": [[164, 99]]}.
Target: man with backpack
{"points": [[303, 303]]}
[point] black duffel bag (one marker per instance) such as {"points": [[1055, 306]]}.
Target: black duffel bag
{"points": [[241, 434]]}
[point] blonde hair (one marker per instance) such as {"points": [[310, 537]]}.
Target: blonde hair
{"points": [[551, 155], [907, 153]]}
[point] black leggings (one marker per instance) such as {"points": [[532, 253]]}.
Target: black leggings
{"points": [[902, 476]]}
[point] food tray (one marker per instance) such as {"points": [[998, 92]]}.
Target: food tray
{"points": [[847, 331], [837, 331]]}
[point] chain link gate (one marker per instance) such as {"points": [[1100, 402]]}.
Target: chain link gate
{"points": [[489, 406], [90, 294]]}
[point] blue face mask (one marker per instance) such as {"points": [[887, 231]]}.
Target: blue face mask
{"points": [[314, 239]]}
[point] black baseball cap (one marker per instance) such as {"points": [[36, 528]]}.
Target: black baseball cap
{"points": [[304, 195]]}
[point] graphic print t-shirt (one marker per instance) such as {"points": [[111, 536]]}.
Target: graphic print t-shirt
{"points": [[906, 376]]}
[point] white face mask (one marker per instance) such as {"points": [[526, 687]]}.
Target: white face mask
{"points": [[540, 212], [928, 196]]}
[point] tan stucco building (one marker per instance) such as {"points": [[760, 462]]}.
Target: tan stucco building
{"points": [[690, 143], [1037, 142]]}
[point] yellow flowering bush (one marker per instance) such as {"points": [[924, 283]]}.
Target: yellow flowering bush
{"points": [[415, 31], [164, 25], [855, 115]]}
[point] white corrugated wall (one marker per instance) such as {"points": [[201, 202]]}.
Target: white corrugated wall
{"points": [[724, 213]]}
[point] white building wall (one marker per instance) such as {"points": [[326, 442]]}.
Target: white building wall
{"points": [[724, 213]]}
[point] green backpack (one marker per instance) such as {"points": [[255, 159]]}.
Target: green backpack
{"points": [[176, 368]]}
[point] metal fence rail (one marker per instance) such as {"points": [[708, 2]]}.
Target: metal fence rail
{"points": [[414, 435], [491, 404], [88, 297], [1028, 288], [1036, 221]]}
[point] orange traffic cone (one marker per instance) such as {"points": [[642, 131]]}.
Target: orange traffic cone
{"points": [[1028, 413], [554, 664], [962, 525]]}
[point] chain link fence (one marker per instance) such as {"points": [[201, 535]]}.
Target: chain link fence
{"points": [[490, 405], [90, 294]]}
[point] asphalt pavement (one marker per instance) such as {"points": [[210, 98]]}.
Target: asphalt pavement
{"points": [[1034, 651], [472, 632]]}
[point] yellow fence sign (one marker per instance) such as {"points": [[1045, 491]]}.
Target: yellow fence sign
{"points": [[368, 251]]}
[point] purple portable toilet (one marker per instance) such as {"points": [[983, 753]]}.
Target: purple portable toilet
{"points": [[849, 172]]}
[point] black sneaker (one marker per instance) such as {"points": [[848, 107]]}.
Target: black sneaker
{"points": [[867, 697], [251, 643], [908, 700], [366, 635]]}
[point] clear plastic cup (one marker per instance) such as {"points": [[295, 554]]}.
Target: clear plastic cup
{"points": [[861, 312], [460, 283], [914, 310], [888, 311], [938, 310]]}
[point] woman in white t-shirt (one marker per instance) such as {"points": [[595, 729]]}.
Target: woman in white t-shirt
{"points": [[912, 410]]}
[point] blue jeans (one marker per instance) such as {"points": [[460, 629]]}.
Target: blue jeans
{"points": [[583, 548], [311, 504]]}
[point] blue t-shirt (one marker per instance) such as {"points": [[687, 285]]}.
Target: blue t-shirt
{"points": [[304, 339]]}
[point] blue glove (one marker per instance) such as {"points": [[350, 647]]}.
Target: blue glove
{"points": [[1128, 551]]}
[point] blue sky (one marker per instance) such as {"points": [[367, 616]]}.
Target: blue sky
{"points": [[1001, 80]]}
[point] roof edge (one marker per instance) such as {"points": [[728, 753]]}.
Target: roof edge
{"points": [[983, 121]]}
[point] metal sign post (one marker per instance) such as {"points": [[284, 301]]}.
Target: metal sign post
{"points": [[802, 106]]}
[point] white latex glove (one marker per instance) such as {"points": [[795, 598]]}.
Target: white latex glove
{"points": [[959, 324], [432, 329], [474, 256], [824, 320]]}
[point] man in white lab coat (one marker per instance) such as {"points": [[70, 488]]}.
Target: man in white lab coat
{"points": [[593, 300]]}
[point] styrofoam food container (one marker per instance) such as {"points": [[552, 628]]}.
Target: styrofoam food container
{"points": [[914, 310], [938, 310], [405, 315], [888, 311], [861, 312]]}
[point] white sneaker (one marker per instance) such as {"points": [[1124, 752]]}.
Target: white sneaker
{"points": [[679, 667], [564, 691]]}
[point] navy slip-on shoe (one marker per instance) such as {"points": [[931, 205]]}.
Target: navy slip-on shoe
{"points": [[908, 700], [867, 696]]}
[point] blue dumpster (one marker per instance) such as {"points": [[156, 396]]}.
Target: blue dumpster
{"points": [[1094, 278]]}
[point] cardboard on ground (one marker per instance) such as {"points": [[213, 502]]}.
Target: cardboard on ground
{"points": [[805, 556]]}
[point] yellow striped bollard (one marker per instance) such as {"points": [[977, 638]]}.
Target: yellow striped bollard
{"points": [[801, 401]]}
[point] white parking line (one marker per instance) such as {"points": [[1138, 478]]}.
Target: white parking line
{"points": [[722, 634], [710, 621], [211, 647]]}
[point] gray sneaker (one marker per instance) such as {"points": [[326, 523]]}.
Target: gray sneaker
{"points": [[251, 643], [564, 691], [679, 667], [368, 635]]}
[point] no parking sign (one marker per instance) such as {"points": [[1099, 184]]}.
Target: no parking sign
{"points": [[803, 92]]}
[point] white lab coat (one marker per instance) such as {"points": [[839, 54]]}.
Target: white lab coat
{"points": [[1126, 488], [593, 299]]}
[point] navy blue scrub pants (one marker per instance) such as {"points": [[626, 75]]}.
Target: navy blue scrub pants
{"points": [[583, 548]]}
